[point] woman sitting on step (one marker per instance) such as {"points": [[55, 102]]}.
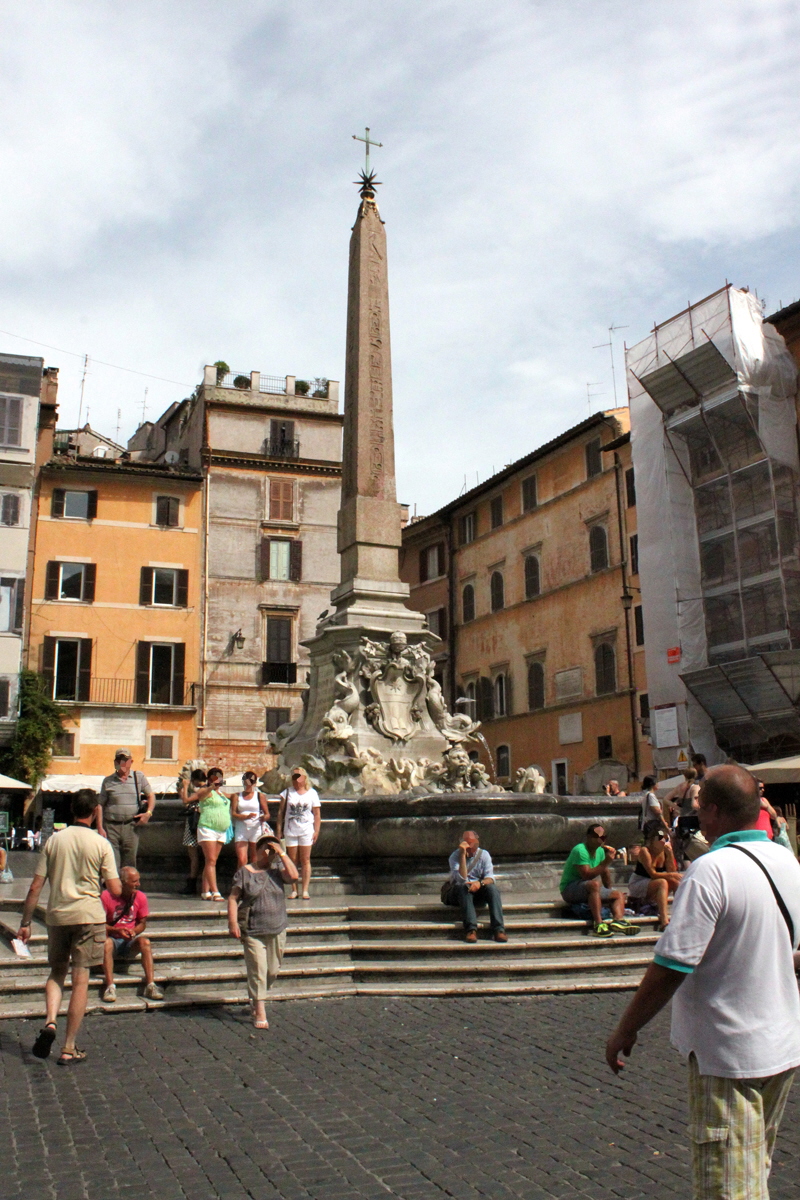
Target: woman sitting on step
{"points": [[656, 875], [257, 915]]}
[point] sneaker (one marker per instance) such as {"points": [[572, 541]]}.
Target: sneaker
{"points": [[620, 925], [109, 994], [602, 929], [153, 992]]}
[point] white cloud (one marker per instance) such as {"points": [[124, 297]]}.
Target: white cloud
{"points": [[177, 187]]}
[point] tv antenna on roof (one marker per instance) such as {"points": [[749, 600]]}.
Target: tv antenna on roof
{"points": [[610, 344]]}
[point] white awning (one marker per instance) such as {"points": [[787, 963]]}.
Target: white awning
{"points": [[162, 785], [778, 770], [6, 782]]}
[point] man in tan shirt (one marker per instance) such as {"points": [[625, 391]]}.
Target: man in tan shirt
{"points": [[73, 861]]}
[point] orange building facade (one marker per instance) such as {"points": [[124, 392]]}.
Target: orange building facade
{"points": [[115, 610], [531, 580]]}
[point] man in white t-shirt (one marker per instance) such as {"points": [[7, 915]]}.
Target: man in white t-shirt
{"points": [[728, 960]]}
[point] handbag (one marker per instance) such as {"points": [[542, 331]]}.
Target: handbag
{"points": [[447, 893]]}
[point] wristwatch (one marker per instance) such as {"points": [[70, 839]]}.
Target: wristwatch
{"points": [[24, 924]]}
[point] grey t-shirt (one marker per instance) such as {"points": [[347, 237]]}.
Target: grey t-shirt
{"points": [[120, 797], [261, 892]]}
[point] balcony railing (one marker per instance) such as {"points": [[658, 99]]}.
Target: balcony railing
{"points": [[278, 672], [272, 384], [124, 692], [281, 449]]}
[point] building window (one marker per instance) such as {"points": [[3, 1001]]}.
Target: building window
{"points": [[70, 581], [67, 667], [605, 746], [560, 782], [78, 506], [484, 699], [12, 595], [594, 460], [64, 744], [9, 509], [500, 695], [630, 488], [497, 589], [5, 698], [634, 554], [437, 622], [598, 548], [281, 559], [164, 587], [529, 500], [167, 511], [431, 562], [161, 746], [503, 762], [532, 580], [160, 673], [468, 603], [10, 421], [644, 713], [282, 442], [496, 510], [279, 667], [281, 500], [536, 697], [277, 717], [638, 623], [466, 528], [605, 669]]}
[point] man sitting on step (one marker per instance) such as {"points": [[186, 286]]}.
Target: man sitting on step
{"points": [[472, 884], [126, 921], [586, 879]]}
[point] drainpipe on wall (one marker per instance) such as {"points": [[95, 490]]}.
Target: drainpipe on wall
{"points": [[206, 509], [627, 600]]}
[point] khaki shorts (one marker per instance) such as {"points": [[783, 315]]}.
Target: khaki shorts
{"points": [[75, 945]]}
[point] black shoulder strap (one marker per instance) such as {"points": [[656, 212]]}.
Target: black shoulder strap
{"points": [[779, 898]]}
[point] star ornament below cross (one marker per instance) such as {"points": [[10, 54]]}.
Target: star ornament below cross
{"points": [[366, 184]]}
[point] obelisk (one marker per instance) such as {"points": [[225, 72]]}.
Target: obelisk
{"points": [[370, 592]]}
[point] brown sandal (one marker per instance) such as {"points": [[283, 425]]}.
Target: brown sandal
{"points": [[67, 1057]]}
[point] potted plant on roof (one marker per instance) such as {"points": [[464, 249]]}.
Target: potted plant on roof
{"points": [[222, 370]]}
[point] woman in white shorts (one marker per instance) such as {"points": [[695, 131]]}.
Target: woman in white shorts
{"points": [[250, 817], [298, 824], [212, 829]]}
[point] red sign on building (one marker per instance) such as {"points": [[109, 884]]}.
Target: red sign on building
{"points": [[674, 654]]}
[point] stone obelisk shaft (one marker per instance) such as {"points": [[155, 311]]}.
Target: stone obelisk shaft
{"points": [[369, 519]]}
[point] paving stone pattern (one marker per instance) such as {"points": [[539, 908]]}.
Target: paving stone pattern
{"points": [[416, 1098]]}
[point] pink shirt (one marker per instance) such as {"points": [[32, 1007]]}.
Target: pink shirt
{"points": [[764, 824], [137, 912]]}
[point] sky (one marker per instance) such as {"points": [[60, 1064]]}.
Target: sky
{"points": [[177, 187]]}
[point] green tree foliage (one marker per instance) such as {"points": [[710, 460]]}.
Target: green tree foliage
{"points": [[39, 723]]}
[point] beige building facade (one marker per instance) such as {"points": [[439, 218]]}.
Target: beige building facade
{"points": [[532, 579]]}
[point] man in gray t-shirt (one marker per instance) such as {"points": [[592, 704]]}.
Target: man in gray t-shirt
{"points": [[117, 812]]}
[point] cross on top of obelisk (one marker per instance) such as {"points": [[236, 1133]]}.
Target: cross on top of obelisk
{"points": [[367, 182]]}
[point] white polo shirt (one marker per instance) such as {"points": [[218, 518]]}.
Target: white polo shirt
{"points": [[738, 1010]]}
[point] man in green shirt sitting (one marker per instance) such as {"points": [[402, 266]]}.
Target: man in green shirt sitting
{"points": [[586, 879]]}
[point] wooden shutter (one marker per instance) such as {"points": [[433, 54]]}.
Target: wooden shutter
{"points": [[19, 604], [57, 503], [84, 669], [281, 500], [49, 663], [423, 565], [182, 590], [296, 560], [4, 693], [443, 623], [146, 585], [91, 511], [10, 420], [279, 640], [10, 514], [173, 511], [89, 580], [143, 673], [178, 672], [51, 581], [440, 559], [485, 699], [265, 558]]}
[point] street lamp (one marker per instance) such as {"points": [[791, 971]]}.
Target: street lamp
{"points": [[238, 640]]}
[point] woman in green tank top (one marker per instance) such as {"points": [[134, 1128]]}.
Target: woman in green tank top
{"points": [[212, 830]]}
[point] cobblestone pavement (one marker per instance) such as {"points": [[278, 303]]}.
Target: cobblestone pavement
{"points": [[415, 1098]]}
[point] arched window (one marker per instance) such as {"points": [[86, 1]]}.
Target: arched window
{"points": [[503, 762], [470, 695], [497, 591], [500, 694], [605, 669], [598, 548], [468, 603], [535, 686], [532, 583]]}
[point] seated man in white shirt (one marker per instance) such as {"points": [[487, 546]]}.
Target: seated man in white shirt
{"points": [[472, 884], [728, 959]]}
